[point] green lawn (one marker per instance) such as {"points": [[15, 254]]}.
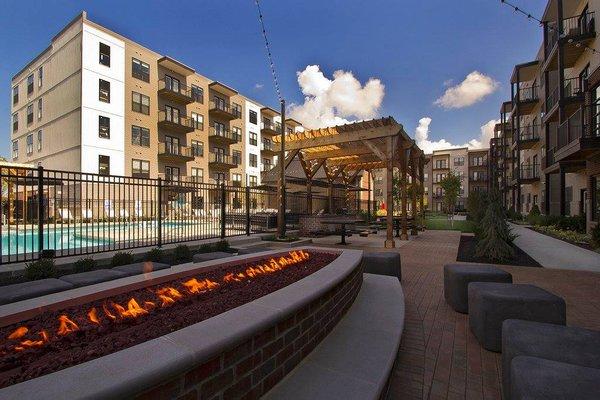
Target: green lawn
{"points": [[441, 223]]}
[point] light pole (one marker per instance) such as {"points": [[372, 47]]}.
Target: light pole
{"points": [[281, 186]]}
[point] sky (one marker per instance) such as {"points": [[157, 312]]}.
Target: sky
{"points": [[440, 67]]}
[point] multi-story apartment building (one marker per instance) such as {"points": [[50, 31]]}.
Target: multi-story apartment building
{"points": [[548, 130], [97, 102]]}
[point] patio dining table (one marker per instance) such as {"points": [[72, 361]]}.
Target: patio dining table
{"points": [[343, 221]]}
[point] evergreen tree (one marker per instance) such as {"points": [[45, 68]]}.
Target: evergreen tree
{"points": [[495, 238]]}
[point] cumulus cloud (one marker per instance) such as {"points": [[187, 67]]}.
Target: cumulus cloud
{"points": [[428, 146], [474, 88], [335, 101]]}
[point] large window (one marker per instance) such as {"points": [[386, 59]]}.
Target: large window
{"points": [[29, 142], [172, 84], [40, 76], [253, 160], [15, 149], [103, 127], [236, 179], [253, 138], [140, 103], [172, 114], [197, 175], [198, 94], [104, 91], [171, 173], [15, 95], [15, 122], [140, 136], [30, 84], [29, 114], [236, 155], [104, 54], [236, 109], [140, 168], [253, 180], [198, 121], [103, 165], [39, 109], [140, 70], [197, 148], [253, 117], [39, 140]]}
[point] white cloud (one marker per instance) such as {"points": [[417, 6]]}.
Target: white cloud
{"points": [[428, 146], [258, 86], [473, 89], [335, 101]]}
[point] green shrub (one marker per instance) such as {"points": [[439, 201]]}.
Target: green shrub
{"points": [[40, 269], [575, 223], [596, 236], [182, 254], [494, 242], [85, 265], [476, 206], [514, 215], [121, 258], [155, 255], [221, 245], [205, 248]]}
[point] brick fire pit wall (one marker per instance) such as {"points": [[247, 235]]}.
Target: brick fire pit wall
{"points": [[253, 367]]}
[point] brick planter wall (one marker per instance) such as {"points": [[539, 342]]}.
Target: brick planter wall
{"points": [[253, 367], [310, 224]]}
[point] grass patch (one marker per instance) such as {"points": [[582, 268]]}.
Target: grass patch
{"points": [[442, 223]]}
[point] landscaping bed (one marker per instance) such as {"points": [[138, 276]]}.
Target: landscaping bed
{"points": [[85, 337], [575, 238], [466, 253]]}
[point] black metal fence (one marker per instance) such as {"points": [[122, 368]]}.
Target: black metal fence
{"points": [[72, 213]]}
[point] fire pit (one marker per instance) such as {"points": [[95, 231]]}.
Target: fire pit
{"points": [[65, 338]]}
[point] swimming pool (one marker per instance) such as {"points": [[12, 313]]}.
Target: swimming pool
{"points": [[27, 241]]}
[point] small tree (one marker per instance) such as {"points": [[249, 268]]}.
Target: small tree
{"points": [[451, 187], [476, 207], [495, 237]]}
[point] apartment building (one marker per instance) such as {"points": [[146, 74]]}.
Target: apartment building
{"points": [[548, 140], [97, 102]]}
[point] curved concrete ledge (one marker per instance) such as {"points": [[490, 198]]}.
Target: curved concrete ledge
{"points": [[142, 367]]}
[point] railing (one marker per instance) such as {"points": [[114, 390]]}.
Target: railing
{"points": [[529, 132], [171, 149], [225, 107], [551, 99], [175, 118], [61, 213], [267, 146], [482, 163], [551, 36], [478, 178], [225, 133], [223, 159], [572, 87], [276, 127], [528, 93], [174, 87], [578, 25], [527, 171]]}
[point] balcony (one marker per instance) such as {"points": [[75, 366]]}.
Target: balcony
{"points": [[224, 110], [175, 122], [218, 160], [527, 173], [224, 136], [174, 153], [550, 103], [442, 166], [267, 149], [478, 178], [528, 136], [270, 128], [579, 136], [175, 91], [573, 32], [526, 99]]}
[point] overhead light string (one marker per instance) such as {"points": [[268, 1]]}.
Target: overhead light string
{"points": [[269, 54]]}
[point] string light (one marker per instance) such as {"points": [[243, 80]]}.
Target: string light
{"points": [[551, 28], [269, 55]]}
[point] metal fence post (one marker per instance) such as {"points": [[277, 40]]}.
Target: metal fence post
{"points": [[159, 212], [248, 210], [40, 188], [223, 214]]}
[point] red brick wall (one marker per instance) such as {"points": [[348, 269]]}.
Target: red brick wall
{"points": [[252, 367]]}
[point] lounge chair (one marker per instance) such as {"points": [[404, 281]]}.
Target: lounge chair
{"points": [[65, 215], [124, 214]]}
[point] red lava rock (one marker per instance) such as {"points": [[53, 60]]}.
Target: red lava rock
{"points": [[93, 341]]}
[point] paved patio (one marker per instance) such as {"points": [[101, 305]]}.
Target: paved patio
{"points": [[439, 357]]}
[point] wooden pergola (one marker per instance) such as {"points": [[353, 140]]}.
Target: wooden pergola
{"points": [[347, 150]]}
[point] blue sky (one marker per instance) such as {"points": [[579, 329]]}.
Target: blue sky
{"points": [[416, 49]]}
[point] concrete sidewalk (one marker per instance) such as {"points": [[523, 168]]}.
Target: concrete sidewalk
{"points": [[554, 253]]}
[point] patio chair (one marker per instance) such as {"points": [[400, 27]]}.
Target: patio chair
{"points": [[65, 215], [124, 214], [86, 215]]}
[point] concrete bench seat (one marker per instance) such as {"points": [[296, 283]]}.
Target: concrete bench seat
{"points": [[141, 268], [458, 276], [491, 303], [214, 255], [549, 341], [536, 378], [29, 290], [92, 277], [355, 360], [383, 263]]}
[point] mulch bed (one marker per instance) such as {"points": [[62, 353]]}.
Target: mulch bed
{"points": [[92, 340], [578, 244], [466, 253]]}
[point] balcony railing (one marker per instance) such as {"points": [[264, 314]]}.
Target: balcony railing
{"points": [[175, 90], [225, 108], [267, 146], [478, 178], [175, 151], [269, 126], [527, 171], [551, 36], [529, 132], [219, 158], [176, 121], [528, 93], [573, 87], [225, 133], [578, 25], [551, 99]]}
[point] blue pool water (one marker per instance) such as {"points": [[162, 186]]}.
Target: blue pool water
{"points": [[27, 241]]}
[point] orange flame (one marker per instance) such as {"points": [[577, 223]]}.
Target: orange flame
{"points": [[133, 309], [26, 344], [18, 333], [66, 325], [195, 286], [168, 295], [93, 316], [107, 312]]}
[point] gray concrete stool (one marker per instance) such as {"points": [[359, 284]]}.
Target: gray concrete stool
{"points": [[383, 263], [536, 378], [492, 303], [549, 341], [458, 276]]}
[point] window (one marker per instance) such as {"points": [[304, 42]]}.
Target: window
{"points": [[253, 117], [140, 136], [172, 114], [197, 148], [219, 129], [236, 133], [103, 127], [104, 91], [104, 54], [253, 138], [140, 103], [30, 84], [198, 121], [440, 164], [172, 84], [172, 145], [29, 141], [103, 165], [15, 149], [40, 109], [267, 144], [253, 160], [198, 94], [39, 140], [172, 173], [266, 164], [237, 179], [29, 114], [458, 161], [289, 130], [15, 95], [236, 109], [219, 103], [140, 168], [197, 175], [40, 76], [253, 180], [140, 70], [236, 156], [425, 176], [15, 120]]}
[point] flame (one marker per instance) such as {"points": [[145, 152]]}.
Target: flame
{"points": [[133, 309], [195, 286], [93, 316], [168, 295], [26, 344], [18, 333], [108, 313], [66, 325]]}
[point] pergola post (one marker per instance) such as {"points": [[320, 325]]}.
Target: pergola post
{"points": [[369, 196], [414, 183], [309, 208], [404, 185], [422, 179], [281, 185], [389, 173]]}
